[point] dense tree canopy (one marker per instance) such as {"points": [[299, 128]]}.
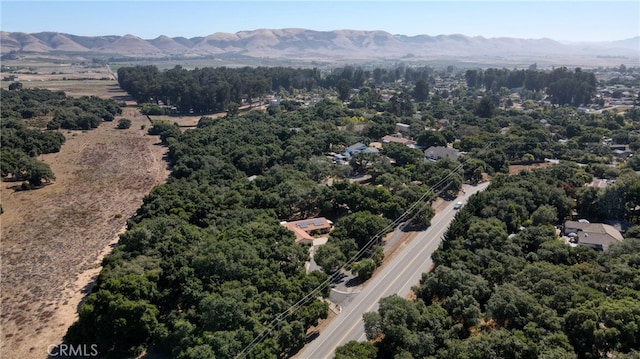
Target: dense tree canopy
{"points": [[505, 286], [205, 265], [563, 86]]}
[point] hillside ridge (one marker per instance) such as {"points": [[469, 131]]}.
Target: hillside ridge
{"points": [[336, 45]]}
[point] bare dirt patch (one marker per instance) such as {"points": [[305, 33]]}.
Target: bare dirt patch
{"points": [[53, 239], [514, 169]]}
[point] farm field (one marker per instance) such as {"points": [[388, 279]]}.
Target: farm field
{"points": [[53, 238]]}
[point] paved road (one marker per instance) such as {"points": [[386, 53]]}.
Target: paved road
{"points": [[397, 277]]}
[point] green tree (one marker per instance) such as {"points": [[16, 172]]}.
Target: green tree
{"points": [[495, 160], [37, 172], [402, 154], [422, 217], [232, 109], [356, 350], [372, 325], [421, 91], [545, 214], [431, 138], [124, 123], [361, 226], [513, 308], [330, 258], [400, 105], [473, 169], [344, 89], [15, 86], [485, 108], [165, 130], [364, 268], [360, 162]]}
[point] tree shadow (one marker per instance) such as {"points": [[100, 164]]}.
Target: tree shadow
{"points": [[413, 228], [354, 282], [311, 336], [121, 98], [25, 186], [338, 278], [11, 179], [447, 196], [86, 290]]}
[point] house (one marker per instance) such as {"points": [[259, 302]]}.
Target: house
{"points": [[403, 128], [339, 159], [620, 151], [274, 102], [358, 148], [355, 148], [397, 139], [306, 229], [598, 183], [598, 236], [443, 122], [435, 153]]}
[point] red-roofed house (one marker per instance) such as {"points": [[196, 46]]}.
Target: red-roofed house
{"points": [[306, 229]]}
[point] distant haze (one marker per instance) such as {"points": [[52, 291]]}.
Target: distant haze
{"points": [[585, 20], [339, 46]]}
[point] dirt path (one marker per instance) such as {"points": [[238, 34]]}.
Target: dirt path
{"points": [[53, 239]]}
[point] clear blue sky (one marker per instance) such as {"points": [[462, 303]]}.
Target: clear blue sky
{"points": [[558, 20]]}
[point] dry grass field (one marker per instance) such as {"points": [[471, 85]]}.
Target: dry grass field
{"points": [[52, 239], [513, 169]]}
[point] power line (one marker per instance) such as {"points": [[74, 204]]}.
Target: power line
{"points": [[312, 294]]}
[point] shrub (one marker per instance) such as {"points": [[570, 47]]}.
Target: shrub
{"points": [[124, 123]]}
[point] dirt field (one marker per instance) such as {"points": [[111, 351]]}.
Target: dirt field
{"points": [[53, 238], [513, 169]]}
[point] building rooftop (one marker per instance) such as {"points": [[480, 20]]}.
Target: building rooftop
{"points": [[397, 139], [438, 152], [595, 235], [305, 228]]}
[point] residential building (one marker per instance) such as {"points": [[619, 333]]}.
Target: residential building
{"points": [[403, 128], [598, 236], [306, 229], [620, 151], [397, 139], [435, 153], [358, 148]]}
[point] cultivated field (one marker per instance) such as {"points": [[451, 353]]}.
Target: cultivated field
{"points": [[52, 239]]}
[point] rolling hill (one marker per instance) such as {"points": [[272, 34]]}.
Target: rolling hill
{"points": [[334, 46]]}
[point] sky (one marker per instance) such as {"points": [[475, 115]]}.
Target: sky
{"points": [[559, 20]]}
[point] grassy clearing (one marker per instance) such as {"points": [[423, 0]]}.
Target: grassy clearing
{"points": [[53, 239]]}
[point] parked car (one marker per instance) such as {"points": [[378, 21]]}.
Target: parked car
{"points": [[457, 205]]}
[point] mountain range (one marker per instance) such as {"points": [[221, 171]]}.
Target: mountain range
{"points": [[333, 46]]}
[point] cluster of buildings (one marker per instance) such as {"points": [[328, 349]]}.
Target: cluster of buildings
{"points": [[433, 153]]}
